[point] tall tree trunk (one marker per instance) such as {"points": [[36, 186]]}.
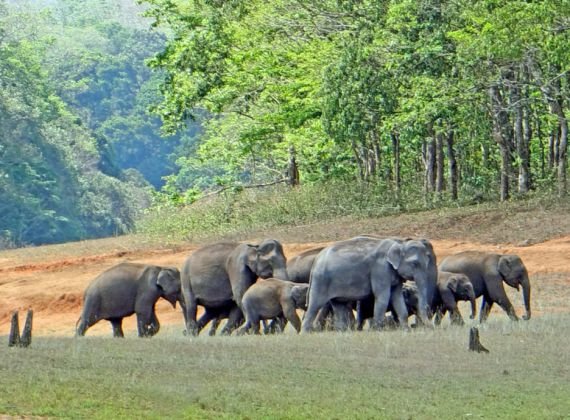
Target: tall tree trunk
{"points": [[525, 175], [516, 103], [552, 141], [505, 172], [293, 169], [540, 147], [439, 164], [428, 154], [552, 92], [396, 151], [453, 178], [359, 162], [503, 137]]}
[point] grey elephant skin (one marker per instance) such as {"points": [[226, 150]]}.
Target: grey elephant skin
{"points": [[273, 298], [452, 288], [487, 272], [126, 289], [299, 267], [354, 269], [217, 276], [365, 307]]}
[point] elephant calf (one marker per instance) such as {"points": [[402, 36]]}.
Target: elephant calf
{"points": [[272, 298], [453, 287], [125, 289]]}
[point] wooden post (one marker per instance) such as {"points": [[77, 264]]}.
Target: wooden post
{"points": [[14, 338], [26, 338], [474, 343]]}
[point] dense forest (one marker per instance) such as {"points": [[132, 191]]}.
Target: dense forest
{"points": [[453, 96], [80, 154], [109, 106]]}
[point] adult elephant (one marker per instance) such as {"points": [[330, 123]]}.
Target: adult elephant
{"points": [[487, 272], [359, 267], [216, 275], [126, 289]]}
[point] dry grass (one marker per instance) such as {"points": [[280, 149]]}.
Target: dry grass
{"points": [[421, 374]]}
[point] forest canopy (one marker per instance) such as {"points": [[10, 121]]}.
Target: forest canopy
{"points": [[454, 97], [108, 107]]}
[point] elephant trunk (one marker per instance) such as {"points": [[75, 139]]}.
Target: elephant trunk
{"points": [[525, 283], [473, 300], [422, 315]]}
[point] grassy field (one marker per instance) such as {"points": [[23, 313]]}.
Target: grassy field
{"points": [[425, 374], [421, 374]]}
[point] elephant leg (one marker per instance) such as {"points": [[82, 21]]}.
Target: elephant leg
{"points": [[192, 327], [343, 316], [255, 326], [399, 305], [206, 317], [439, 314], [245, 329], [486, 306], [214, 326], [498, 295], [316, 303], [381, 301], [290, 314], [364, 311], [325, 317], [235, 319], [277, 325], [117, 324], [455, 317]]}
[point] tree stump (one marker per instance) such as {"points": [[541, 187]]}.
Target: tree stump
{"points": [[474, 342], [17, 340], [14, 338], [26, 338]]}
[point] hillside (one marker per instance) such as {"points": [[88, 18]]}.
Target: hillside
{"points": [[51, 279]]}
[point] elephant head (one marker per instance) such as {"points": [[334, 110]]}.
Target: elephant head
{"points": [[269, 260], [462, 289], [411, 260], [513, 272], [299, 295], [168, 281]]}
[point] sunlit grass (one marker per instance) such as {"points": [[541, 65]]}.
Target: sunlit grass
{"points": [[393, 374]]}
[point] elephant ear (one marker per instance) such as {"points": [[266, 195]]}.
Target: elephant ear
{"points": [[266, 247], [299, 295], [453, 283], [394, 256], [168, 280], [505, 266]]}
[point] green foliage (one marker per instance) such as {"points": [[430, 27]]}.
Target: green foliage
{"points": [[51, 189], [337, 80]]}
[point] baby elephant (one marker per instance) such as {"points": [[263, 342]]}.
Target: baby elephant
{"points": [[453, 287], [273, 298], [125, 289]]}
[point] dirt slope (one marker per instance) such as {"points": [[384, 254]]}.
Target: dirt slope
{"points": [[52, 285]]}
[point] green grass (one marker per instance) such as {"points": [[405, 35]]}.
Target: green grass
{"points": [[422, 374]]}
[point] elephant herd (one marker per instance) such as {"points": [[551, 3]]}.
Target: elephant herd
{"points": [[383, 280]]}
